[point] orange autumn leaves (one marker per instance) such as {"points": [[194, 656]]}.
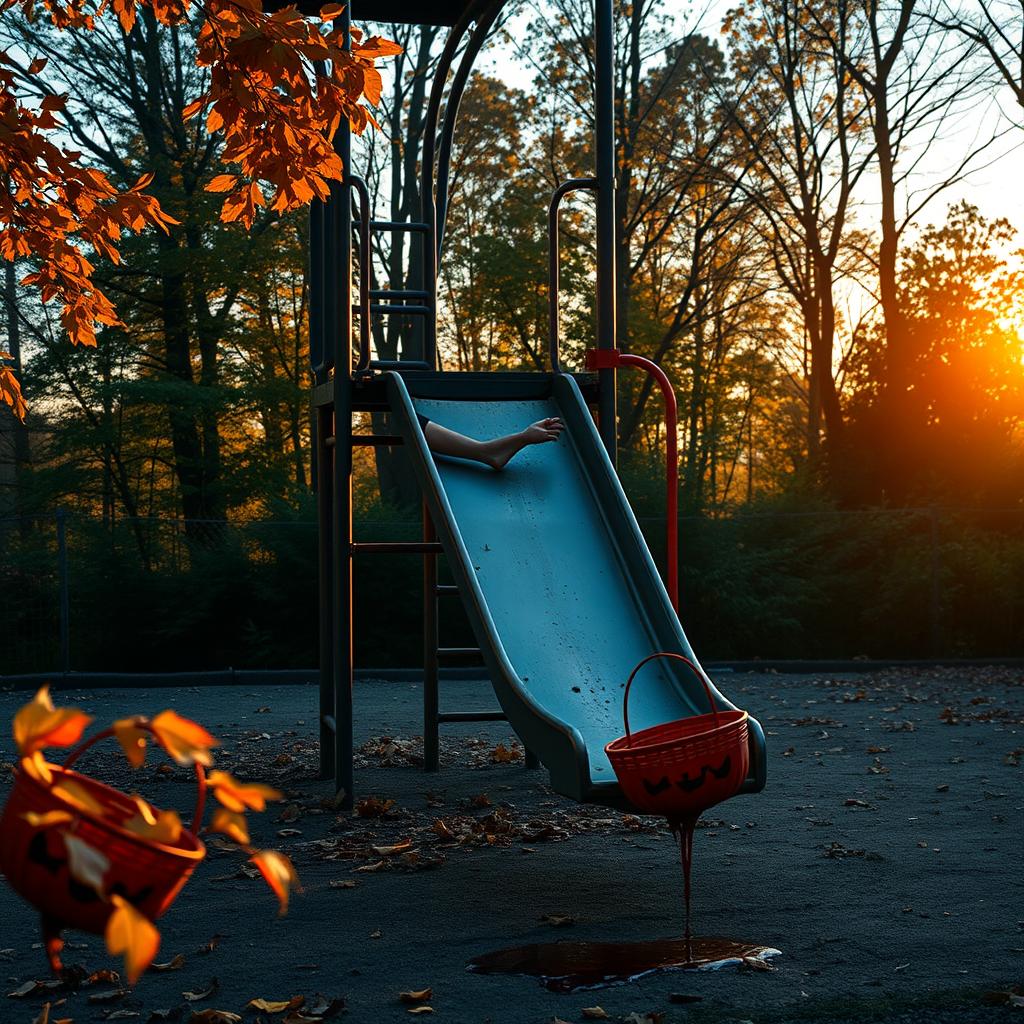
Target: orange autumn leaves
{"points": [[53, 210], [39, 724], [279, 87], [278, 120]]}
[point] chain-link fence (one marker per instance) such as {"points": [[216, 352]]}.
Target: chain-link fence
{"points": [[78, 593]]}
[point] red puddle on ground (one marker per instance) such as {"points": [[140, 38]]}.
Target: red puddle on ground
{"points": [[570, 966]]}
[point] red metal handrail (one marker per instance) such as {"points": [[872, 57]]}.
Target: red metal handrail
{"points": [[603, 359]]}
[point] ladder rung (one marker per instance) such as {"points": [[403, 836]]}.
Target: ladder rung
{"points": [[397, 547], [329, 722], [458, 652], [394, 225], [398, 293], [445, 590], [472, 716], [376, 440], [388, 308]]}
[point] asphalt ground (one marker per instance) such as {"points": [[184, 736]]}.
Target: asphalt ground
{"points": [[884, 861]]}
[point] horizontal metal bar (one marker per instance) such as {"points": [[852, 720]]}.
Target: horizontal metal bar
{"points": [[399, 364], [395, 225], [445, 590], [458, 652], [397, 547], [472, 716], [398, 293], [376, 440], [388, 308]]}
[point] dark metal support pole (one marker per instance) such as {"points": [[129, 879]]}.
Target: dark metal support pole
{"points": [[324, 504], [429, 207], [340, 240], [604, 117], [485, 20], [65, 603], [431, 696]]}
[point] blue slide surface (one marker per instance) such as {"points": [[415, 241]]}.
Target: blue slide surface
{"points": [[557, 581]]}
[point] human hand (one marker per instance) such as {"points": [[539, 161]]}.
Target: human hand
{"points": [[543, 430]]}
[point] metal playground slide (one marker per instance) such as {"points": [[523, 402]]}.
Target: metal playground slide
{"points": [[557, 581]]}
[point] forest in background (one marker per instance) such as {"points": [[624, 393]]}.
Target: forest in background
{"points": [[844, 339]]}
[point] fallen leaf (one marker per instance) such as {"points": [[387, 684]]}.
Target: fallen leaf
{"points": [[388, 851], [31, 987], [323, 1008], [504, 755], [195, 997], [420, 1009], [593, 1013], [373, 807], [276, 1005], [441, 829], [103, 976], [214, 1017], [480, 800], [109, 996], [558, 920], [343, 883], [375, 866], [421, 996], [174, 964]]}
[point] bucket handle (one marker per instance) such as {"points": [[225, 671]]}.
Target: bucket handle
{"points": [[698, 672], [197, 817]]}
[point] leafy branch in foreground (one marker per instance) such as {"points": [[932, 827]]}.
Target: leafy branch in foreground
{"points": [[89, 856], [280, 85]]}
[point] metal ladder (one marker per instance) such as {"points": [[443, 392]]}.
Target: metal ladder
{"points": [[434, 654]]}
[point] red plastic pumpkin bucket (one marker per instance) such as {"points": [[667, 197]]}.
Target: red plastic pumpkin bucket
{"points": [[35, 859], [681, 768]]}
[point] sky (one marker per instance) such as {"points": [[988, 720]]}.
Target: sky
{"points": [[995, 186]]}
